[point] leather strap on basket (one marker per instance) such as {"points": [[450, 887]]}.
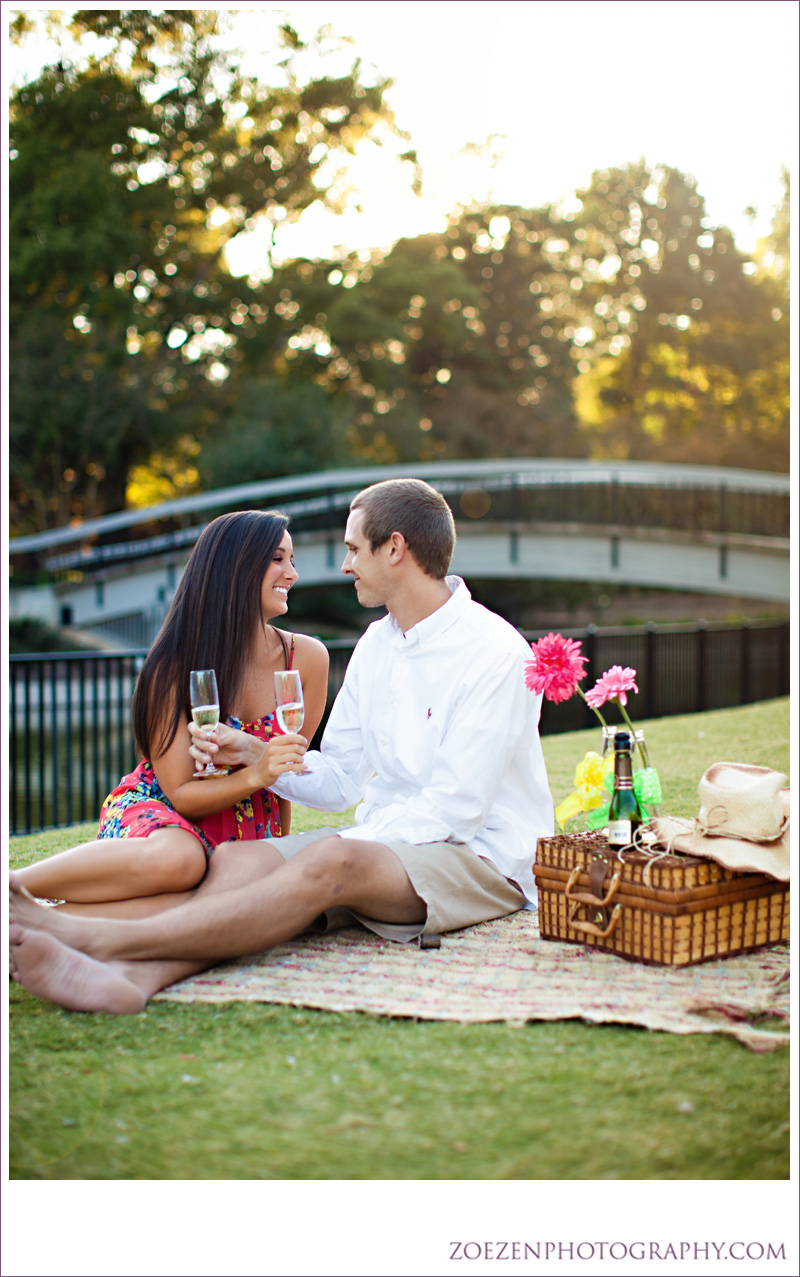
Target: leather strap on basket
{"points": [[602, 927]]}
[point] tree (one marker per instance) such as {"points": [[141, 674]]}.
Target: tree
{"points": [[444, 347], [129, 177], [686, 360], [275, 428]]}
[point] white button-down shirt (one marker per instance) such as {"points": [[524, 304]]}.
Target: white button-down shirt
{"points": [[437, 731]]}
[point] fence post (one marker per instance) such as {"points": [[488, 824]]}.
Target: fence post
{"points": [[26, 720], [68, 741], [54, 745], [784, 639], [744, 662], [41, 769], [12, 687], [330, 545], [96, 735], [700, 665], [649, 669], [590, 650], [83, 805]]}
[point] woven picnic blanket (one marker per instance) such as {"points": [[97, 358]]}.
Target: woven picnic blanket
{"points": [[502, 970]]}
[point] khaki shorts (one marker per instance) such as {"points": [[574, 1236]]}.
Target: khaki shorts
{"points": [[459, 888]]}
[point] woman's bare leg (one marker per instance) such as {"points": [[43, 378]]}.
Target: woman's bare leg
{"points": [[244, 861], [168, 860], [136, 907]]}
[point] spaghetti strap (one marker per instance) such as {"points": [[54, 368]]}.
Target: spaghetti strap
{"points": [[291, 653]]}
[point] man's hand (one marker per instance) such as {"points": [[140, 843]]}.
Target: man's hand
{"points": [[224, 746], [229, 747]]}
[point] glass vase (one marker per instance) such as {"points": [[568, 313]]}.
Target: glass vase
{"points": [[608, 739]]}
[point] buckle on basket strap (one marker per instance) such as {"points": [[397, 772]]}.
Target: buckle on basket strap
{"points": [[595, 903]]}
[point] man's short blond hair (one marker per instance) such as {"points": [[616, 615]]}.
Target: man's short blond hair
{"points": [[416, 510]]}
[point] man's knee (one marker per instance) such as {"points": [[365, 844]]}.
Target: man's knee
{"points": [[332, 863]]}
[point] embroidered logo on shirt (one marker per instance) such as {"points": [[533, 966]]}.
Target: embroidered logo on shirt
{"points": [[429, 713]]}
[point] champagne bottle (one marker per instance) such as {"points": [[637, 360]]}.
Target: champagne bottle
{"points": [[624, 813]]}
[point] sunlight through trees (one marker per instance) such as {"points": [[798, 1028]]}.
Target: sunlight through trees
{"points": [[618, 323]]}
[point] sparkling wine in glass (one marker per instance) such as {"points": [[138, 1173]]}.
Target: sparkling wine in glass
{"points": [[204, 700], [289, 707]]}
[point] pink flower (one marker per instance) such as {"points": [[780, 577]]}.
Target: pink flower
{"points": [[612, 686], [556, 668]]}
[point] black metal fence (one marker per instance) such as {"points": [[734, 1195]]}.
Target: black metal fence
{"points": [[70, 736], [681, 669]]}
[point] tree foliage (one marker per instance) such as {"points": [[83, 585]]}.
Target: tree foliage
{"points": [[621, 324], [687, 342], [129, 178]]}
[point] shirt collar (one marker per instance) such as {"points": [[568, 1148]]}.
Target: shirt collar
{"points": [[440, 620]]}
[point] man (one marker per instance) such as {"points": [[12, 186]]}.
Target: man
{"points": [[433, 726]]}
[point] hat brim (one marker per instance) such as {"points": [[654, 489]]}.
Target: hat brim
{"points": [[737, 854]]}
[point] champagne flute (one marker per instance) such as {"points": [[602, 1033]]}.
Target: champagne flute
{"points": [[289, 705], [204, 700]]}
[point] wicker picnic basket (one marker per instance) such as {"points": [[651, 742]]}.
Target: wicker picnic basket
{"points": [[670, 911]]}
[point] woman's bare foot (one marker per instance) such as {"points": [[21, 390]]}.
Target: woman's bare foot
{"points": [[51, 970], [26, 912]]}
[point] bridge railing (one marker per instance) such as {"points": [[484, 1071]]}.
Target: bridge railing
{"points": [[70, 736], [698, 500]]}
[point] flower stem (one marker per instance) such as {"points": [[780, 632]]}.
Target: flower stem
{"points": [[591, 707], [639, 743]]}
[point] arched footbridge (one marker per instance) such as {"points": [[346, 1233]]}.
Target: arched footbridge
{"points": [[696, 528]]}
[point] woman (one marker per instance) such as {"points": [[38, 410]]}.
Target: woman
{"points": [[160, 824]]}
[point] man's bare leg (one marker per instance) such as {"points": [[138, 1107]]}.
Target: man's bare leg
{"points": [[226, 917], [48, 968]]}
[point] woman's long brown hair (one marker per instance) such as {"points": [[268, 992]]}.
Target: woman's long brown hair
{"points": [[214, 622]]}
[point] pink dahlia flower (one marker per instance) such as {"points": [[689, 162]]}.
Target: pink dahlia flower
{"points": [[612, 686], [556, 668]]}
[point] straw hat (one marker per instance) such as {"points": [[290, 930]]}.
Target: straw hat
{"points": [[743, 822]]}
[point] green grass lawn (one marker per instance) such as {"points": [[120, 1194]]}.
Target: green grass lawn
{"points": [[250, 1091]]}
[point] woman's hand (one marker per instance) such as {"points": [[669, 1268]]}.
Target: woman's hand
{"points": [[229, 747]]}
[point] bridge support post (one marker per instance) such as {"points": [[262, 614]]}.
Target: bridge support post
{"points": [[723, 562]]}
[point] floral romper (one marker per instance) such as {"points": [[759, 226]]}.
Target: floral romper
{"points": [[138, 805]]}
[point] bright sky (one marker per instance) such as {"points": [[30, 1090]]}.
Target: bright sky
{"points": [[569, 87], [572, 87]]}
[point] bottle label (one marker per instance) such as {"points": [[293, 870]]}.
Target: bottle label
{"points": [[619, 833]]}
